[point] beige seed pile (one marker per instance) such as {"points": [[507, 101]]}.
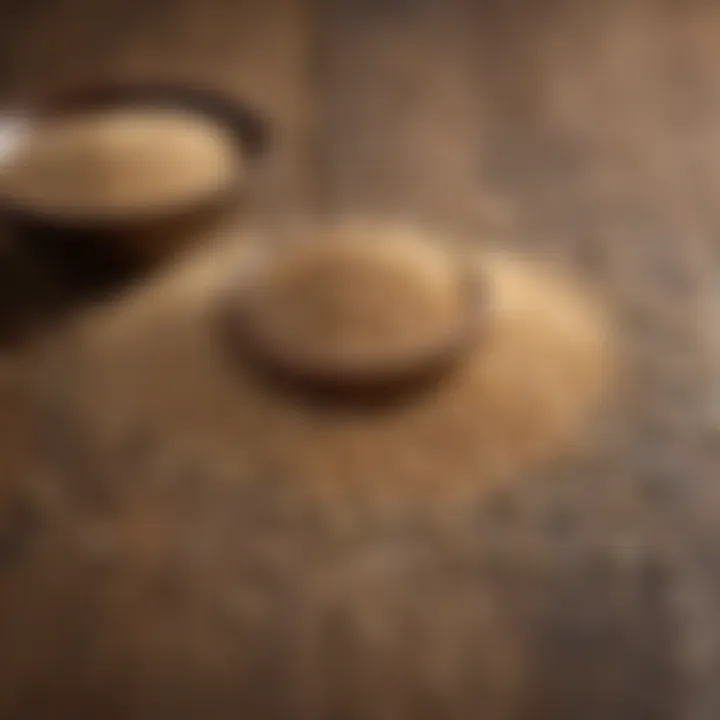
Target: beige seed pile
{"points": [[121, 162], [525, 394]]}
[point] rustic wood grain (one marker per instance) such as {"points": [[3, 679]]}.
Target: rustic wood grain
{"points": [[569, 128], [586, 131]]}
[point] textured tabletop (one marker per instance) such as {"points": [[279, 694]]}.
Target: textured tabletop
{"points": [[587, 130]]}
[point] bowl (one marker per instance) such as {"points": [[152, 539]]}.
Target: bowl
{"points": [[94, 247]]}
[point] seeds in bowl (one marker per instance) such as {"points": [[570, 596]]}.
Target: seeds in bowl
{"points": [[120, 163]]}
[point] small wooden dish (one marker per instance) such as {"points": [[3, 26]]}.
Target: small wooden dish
{"points": [[316, 362]]}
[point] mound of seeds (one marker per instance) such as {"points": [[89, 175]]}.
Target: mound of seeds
{"points": [[524, 393], [121, 162]]}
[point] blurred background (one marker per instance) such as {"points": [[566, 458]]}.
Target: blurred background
{"points": [[583, 130]]}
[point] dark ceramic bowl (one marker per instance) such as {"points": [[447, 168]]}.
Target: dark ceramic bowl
{"points": [[100, 252]]}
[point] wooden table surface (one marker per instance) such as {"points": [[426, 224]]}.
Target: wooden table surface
{"points": [[587, 130]]}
